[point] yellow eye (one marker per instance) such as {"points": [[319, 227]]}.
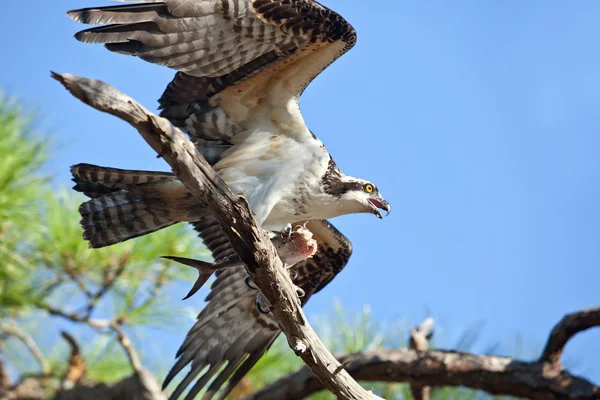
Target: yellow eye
{"points": [[369, 188]]}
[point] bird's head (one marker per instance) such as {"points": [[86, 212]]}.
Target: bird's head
{"points": [[361, 196]]}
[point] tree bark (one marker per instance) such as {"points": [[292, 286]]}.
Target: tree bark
{"points": [[495, 375], [568, 327], [419, 341], [542, 379]]}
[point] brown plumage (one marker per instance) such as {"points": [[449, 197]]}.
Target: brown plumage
{"points": [[242, 66], [229, 55], [231, 333], [126, 204]]}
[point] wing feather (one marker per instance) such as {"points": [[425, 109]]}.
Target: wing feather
{"points": [[230, 335], [235, 55]]}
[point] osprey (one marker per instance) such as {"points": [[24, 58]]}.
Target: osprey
{"points": [[242, 68]]}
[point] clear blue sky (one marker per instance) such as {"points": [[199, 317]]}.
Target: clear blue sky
{"points": [[479, 121]]}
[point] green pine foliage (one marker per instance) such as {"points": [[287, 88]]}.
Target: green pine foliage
{"points": [[21, 155], [47, 265]]}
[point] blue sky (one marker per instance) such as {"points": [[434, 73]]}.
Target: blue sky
{"points": [[477, 120]]}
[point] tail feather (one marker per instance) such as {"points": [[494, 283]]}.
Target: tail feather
{"points": [[114, 218], [115, 178], [115, 213]]}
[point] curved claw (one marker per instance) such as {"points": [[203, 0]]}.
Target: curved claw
{"points": [[293, 273], [250, 283], [259, 305], [300, 292], [287, 231]]}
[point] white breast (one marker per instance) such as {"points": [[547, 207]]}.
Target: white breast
{"points": [[272, 171]]}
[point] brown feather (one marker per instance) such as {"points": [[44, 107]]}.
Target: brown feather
{"points": [[224, 50], [230, 331]]}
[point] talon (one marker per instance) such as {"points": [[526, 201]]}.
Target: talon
{"points": [[287, 231], [293, 273], [300, 292], [250, 283], [259, 305]]}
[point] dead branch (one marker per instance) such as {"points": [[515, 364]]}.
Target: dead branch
{"points": [[159, 282], [5, 381], [97, 324], [73, 275], [150, 386], [39, 387], [419, 341], [568, 327], [233, 213], [125, 342], [110, 278], [74, 385], [133, 387], [19, 334], [493, 374], [76, 369]]}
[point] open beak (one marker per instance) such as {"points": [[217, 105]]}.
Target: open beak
{"points": [[380, 203]]}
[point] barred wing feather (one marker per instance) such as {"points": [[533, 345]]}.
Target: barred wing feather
{"points": [[230, 335]]}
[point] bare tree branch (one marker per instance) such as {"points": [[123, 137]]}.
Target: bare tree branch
{"points": [[5, 381], [76, 369], [97, 324], [17, 333], [568, 327], [74, 276], [146, 379], [233, 213], [159, 282], [110, 278], [495, 375], [419, 341], [125, 342]]}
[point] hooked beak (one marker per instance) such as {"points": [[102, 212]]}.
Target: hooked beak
{"points": [[380, 203]]}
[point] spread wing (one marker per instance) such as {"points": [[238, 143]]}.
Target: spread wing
{"points": [[243, 65], [248, 52], [230, 335]]}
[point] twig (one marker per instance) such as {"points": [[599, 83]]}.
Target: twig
{"points": [[151, 388], [125, 342], [109, 281], [14, 331], [568, 327], [97, 324], [536, 380], [47, 291], [419, 341], [76, 369], [233, 213], [159, 282], [72, 274]]}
